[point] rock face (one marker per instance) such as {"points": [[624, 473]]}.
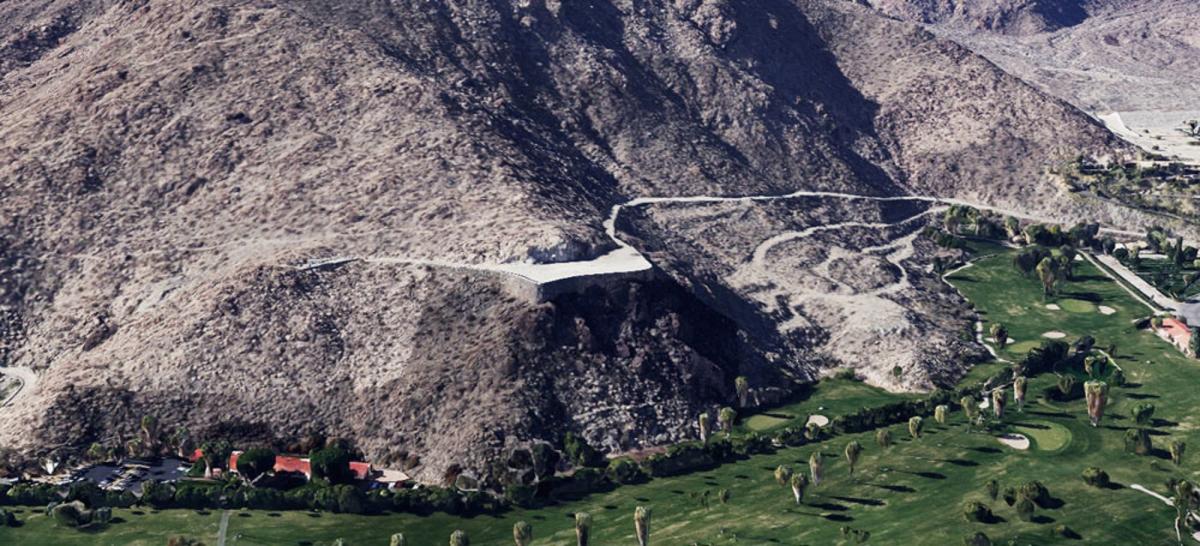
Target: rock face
{"points": [[164, 164], [1101, 55]]}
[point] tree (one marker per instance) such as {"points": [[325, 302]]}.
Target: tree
{"points": [[1108, 245], [939, 414], [1193, 347], [149, 432], [399, 540], [255, 463], [799, 484], [816, 467], [70, 514], [459, 538], [703, 419], [1117, 378], [1176, 447], [1019, 386], [853, 450], [1048, 272], [993, 489], [1025, 509], [1095, 477], [1137, 441], [216, 455], [181, 442], [331, 463], [583, 528], [1067, 261], [641, 524], [915, 424], [580, 452], [1012, 227], [725, 418], [783, 474], [812, 431], [1097, 398], [969, 408], [1066, 384], [977, 539], [522, 533], [1000, 334], [183, 541], [96, 452], [975, 511], [742, 386], [883, 437], [999, 401], [1142, 413]]}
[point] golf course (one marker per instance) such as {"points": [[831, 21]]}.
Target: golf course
{"points": [[912, 492]]}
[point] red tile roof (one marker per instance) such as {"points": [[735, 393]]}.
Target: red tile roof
{"points": [[288, 463], [1177, 330]]}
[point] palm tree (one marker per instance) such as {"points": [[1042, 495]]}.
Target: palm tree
{"points": [[1019, 385], [1047, 272], [96, 452], [399, 540], [704, 419], [1066, 384], [799, 484], [969, 408], [459, 538], [1000, 334], [725, 418], [939, 414], [641, 524], [915, 424], [150, 432], [816, 466], [583, 526], [883, 437], [522, 533], [853, 450], [783, 473], [999, 400], [742, 386], [1177, 447], [1183, 507], [1097, 398]]}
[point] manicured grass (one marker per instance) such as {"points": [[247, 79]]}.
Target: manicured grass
{"points": [[830, 397], [1046, 435], [911, 493]]}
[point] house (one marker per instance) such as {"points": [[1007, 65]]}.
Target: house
{"points": [[1176, 333], [299, 465]]}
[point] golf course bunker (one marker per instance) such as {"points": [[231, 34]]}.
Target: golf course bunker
{"points": [[1015, 441], [1048, 436], [1078, 306], [1054, 334], [1053, 307], [820, 420], [1106, 310]]}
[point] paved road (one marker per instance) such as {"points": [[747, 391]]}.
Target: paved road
{"points": [[27, 378]]}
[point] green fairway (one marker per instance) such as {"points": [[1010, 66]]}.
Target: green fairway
{"points": [[911, 493], [1046, 435]]}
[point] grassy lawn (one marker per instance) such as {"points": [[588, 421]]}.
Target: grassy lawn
{"points": [[911, 493]]}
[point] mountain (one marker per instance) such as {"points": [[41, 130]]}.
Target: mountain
{"points": [[273, 220]]}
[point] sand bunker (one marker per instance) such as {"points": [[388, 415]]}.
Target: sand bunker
{"points": [[1053, 307], [820, 420], [1054, 335], [1015, 441], [1106, 310]]}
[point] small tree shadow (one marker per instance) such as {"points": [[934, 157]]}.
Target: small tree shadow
{"points": [[894, 488], [860, 500], [828, 506]]}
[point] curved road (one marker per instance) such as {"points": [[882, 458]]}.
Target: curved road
{"points": [[626, 259], [28, 380]]}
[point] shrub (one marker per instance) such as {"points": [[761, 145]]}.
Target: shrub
{"points": [[1095, 477], [1036, 492], [1137, 441], [1025, 509], [7, 519], [978, 512], [71, 514], [625, 471], [580, 452], [977, 539]]}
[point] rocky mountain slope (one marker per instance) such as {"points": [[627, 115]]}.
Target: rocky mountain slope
{"points": [[165, 166], [1101, 55]]}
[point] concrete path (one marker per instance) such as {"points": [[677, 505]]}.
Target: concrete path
{"points": [[224, 528], [1146, 289], [28, 380]]}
